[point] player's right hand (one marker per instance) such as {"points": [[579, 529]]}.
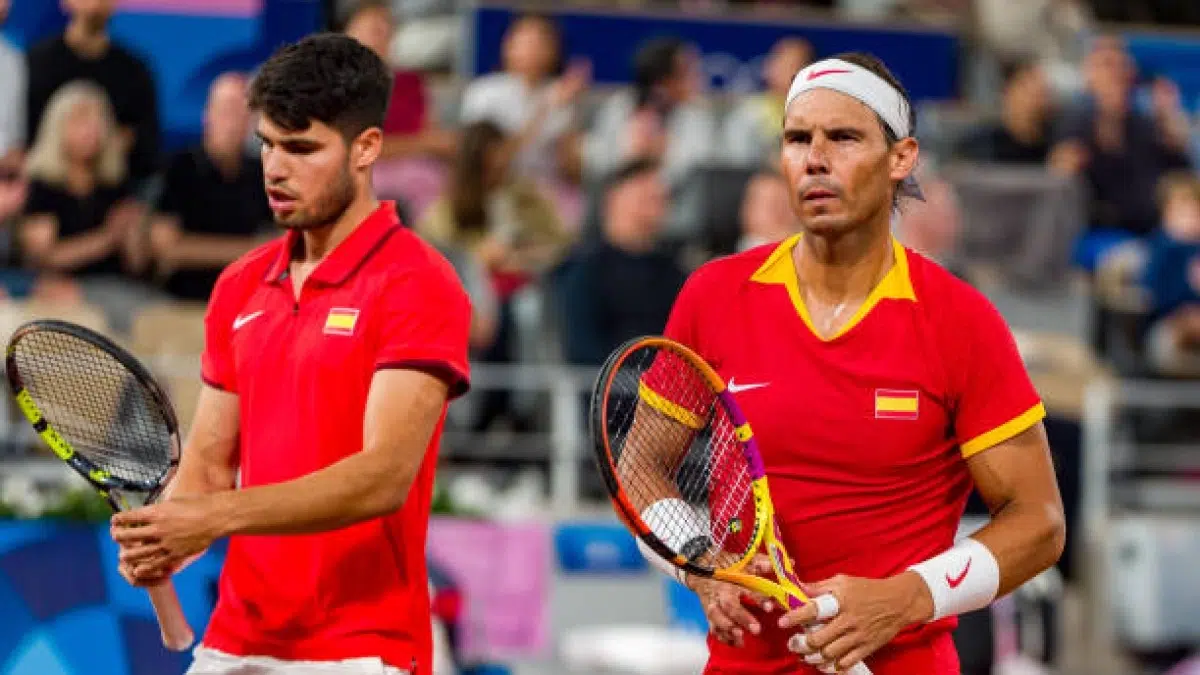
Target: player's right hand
{"points": [[728, 618]]}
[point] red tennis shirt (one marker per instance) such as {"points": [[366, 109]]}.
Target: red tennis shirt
{"points": [[863, 435], [301, 370]]}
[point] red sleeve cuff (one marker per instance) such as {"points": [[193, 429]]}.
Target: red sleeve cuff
{"points": [[212, 382], [454, 376]]}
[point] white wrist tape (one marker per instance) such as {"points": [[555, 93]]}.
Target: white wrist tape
{"points": [[676, 523], [963, 579]]}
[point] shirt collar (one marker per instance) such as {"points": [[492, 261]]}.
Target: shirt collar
{"points": [[345, 259], [779, 269]]}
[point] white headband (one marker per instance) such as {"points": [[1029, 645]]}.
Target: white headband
{"points": [[873, 91]]}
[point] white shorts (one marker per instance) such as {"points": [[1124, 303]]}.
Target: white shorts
{"points": [[212, 662]]}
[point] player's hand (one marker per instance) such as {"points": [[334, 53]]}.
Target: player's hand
{"points": [[157, 540], [728, 618], [869, 613]]}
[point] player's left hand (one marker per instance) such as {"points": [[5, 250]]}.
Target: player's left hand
{"points": [[869, 613], [157, 540]]}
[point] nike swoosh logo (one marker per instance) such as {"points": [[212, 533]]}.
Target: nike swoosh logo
{"points": [[828, 71], [955, 582], [735, 387], [243, 320]]}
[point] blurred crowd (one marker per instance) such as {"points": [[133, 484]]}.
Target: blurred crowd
{"points": [[574, 212]]}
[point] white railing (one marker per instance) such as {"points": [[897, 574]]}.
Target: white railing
{"points": [[1108, 490]]}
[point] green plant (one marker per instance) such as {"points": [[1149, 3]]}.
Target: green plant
{"points": [[79, 505]]}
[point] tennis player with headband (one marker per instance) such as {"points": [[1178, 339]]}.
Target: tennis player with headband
{"points": [[882, 390]]}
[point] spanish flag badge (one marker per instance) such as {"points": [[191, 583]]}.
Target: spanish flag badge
{"points": [[896, 404], [341, 321]]}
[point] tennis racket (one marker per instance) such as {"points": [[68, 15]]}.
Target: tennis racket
{"points": [[683, 470], [100, 411]]}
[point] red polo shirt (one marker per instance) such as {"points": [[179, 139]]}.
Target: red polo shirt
{"points": [[865, 434], [301, 370]]}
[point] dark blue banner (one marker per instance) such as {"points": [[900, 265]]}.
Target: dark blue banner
{"points": [[1176, 57], [218, 40], [925, 60], [67, 611]]}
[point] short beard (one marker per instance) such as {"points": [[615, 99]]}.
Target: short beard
{"points": [[328, 209]]}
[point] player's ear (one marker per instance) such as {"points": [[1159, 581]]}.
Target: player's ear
{"points": [[902, 158], [366, 148]]}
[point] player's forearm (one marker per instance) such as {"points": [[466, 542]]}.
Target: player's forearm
{"points": [[1022, 541], [365, 485], [1026, 539]]}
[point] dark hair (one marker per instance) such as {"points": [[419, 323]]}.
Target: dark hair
{"points": [[328, 78], [467, 191], [631, 169], [872, 63], [656, 62]]}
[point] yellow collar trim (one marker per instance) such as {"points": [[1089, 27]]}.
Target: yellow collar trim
{"points": [[780, 269]]}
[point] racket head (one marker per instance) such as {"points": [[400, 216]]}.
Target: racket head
{"points": [[96, 407], [666, 431]]}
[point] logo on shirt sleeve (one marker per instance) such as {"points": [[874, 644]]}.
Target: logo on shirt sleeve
{"points": [[896, 404], [341, 321]]}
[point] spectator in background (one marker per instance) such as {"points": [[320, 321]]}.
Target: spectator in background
{"points": [[85, 52], [535, 108], [623, 285], [767, 215], [505, 224], [80, 218], [213, 208], [1172, 280], [411, 127], [1022, 134], [663, 118], [752, 129], [1123, 151], [412, 167], [13, 86]]}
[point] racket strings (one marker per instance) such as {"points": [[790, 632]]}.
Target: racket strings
{"points": [[675, 448], [96, 404]]}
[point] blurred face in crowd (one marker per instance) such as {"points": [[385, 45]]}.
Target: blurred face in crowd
{"points": [[374, 28], [308, 179], [531, 48], [637, 209], [95, 13], [3, 10], [839, 168], [1181, 214], [785, 60], [227, 115], [1110, 74], [766, 210], [688, 80], [1028, 94], [85, 133]]}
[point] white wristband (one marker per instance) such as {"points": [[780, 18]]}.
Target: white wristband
{"points": [[962, 579], [676, 523]]}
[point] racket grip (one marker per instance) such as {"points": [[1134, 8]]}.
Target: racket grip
{"points": [[859, 668], [176, 633]]}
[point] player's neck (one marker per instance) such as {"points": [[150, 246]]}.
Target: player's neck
{"points": [[318, 242], [842, 269]]}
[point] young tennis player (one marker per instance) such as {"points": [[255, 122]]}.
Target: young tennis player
{"points": [[330, 355], [881, 390]]}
